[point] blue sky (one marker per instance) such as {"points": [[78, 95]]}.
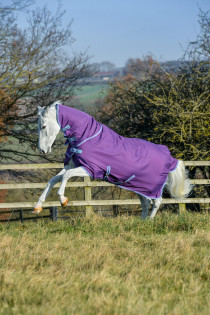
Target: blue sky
{"points": [[115, 30]]}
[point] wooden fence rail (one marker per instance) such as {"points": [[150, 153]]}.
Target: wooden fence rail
{"points": [[88, 203]]}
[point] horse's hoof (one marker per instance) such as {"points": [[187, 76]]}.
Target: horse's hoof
{"points": [[65, 202], [36, 210]]}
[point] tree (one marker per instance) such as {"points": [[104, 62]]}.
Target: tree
{"points": [[106, 66], [34, 70], [169, 109], [141, 68], [103, 66]]}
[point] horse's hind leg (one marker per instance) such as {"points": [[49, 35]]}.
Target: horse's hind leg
{"points": [[155, 207], [145, 202]]}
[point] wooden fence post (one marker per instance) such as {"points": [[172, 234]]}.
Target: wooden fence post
{"points": [[21, 215], [182, 208], [115, 210], [54, 214], [88, 197]]}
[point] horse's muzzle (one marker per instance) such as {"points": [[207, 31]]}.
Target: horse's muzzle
{"points": [[45, 151]]}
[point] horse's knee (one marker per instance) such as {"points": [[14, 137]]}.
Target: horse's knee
{"points": [[65, 178], [54, 180]]}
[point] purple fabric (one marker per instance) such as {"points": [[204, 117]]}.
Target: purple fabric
{"points": [[130, 163]]}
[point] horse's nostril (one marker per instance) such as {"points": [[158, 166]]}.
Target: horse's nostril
{"points": [[42, 151]]}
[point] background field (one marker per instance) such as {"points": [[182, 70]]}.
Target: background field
{"points": [[106, 266], [87, 95]]}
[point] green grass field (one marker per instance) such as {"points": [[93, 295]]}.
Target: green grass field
{"points": [[88, 94], [106, 266]]}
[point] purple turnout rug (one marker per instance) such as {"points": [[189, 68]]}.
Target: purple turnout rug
{"points": [[130, 163]]}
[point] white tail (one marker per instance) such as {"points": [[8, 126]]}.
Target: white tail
{"points": [[178, 183]]}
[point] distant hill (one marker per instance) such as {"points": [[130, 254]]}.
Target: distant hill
{"points": [[104, 77]]}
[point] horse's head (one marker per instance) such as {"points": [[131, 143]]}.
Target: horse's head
{"points": [[48, 128]]}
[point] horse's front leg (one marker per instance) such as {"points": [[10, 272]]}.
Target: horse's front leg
{"points": [[54, 180], [78, 171]]}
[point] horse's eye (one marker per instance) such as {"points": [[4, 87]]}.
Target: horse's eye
{"points": [[43, 127]]}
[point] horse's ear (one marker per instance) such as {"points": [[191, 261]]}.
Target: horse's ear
{"points": [[40, 110], [53, 105]]}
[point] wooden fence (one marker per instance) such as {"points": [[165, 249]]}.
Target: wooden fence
{"points": [[88, 203]]}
